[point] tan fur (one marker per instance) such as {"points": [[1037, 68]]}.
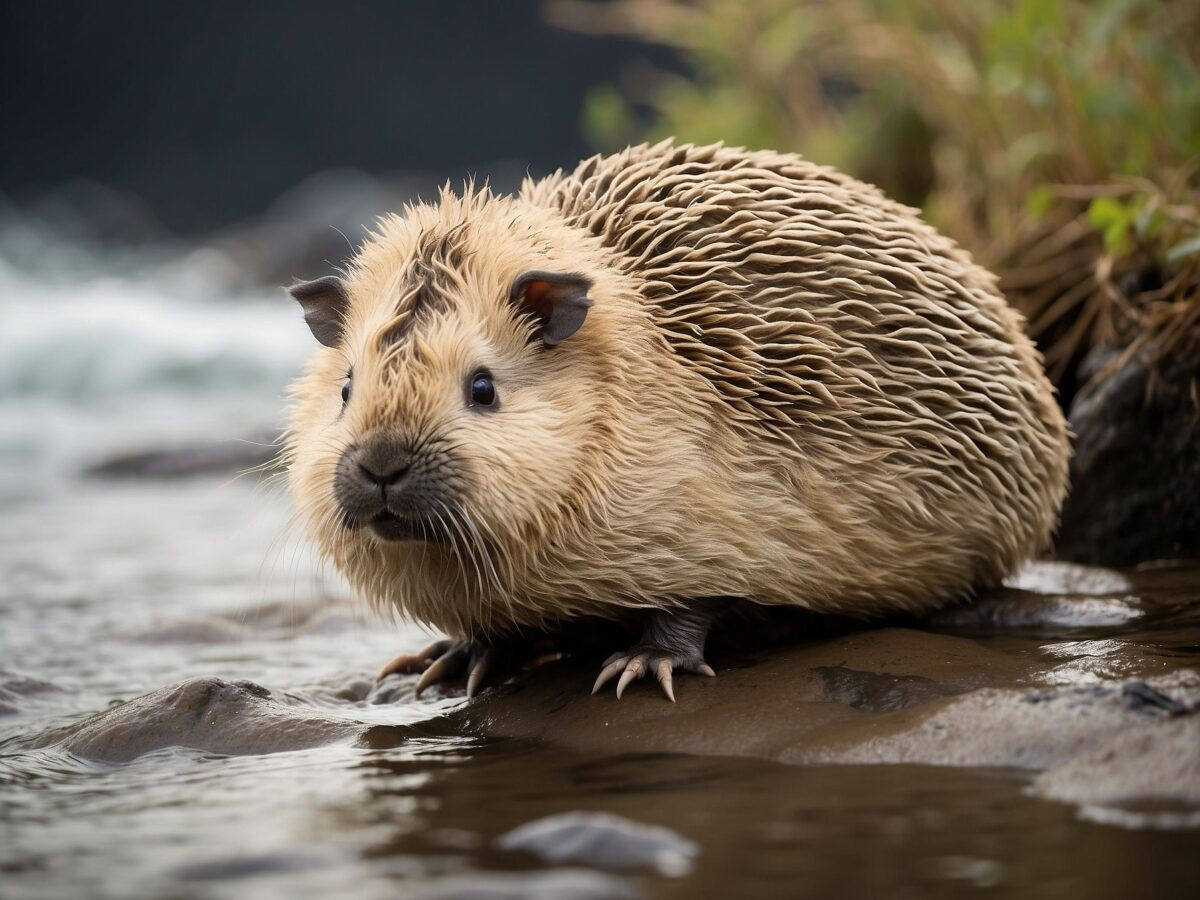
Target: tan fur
{"points": [[789, 390]]}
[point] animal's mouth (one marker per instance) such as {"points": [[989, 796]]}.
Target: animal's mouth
{"points": [[392, 527]]}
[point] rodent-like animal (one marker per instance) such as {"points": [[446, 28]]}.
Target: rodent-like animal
{"points": [[675, 378]]}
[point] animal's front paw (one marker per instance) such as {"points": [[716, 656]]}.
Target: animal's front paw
{"points": [[636, 662], [445, 660]]}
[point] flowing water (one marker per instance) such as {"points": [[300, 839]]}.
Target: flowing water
{"points": [[111, 588]]}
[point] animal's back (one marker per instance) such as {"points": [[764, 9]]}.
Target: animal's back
{"points": [[846, 335]]}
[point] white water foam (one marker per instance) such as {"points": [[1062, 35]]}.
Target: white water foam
{"points": [[110, 360]]}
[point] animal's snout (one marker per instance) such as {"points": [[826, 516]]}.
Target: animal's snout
{"points": [[395, 488], [374, 477], [381, 474]]}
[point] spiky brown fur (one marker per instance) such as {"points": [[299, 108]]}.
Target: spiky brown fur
{"points": [[789, 390]]}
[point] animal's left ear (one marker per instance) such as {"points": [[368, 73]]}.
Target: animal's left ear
{"points": [[325, 302], [558, 302]]}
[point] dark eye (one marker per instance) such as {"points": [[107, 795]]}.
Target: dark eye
{"points": [[346, 392], [483, 391]]}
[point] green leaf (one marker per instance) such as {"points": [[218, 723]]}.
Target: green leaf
{"points": [[1113, 219], [1105, 211]]}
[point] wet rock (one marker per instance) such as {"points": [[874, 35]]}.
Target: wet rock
{"points": [[1131, 766], [603, 841], [1142, 696], [872, 692], [897, 706], [762, 705], [998, 695], [209, 714], [1049, 578], [184, 462], [991, 727], [1048, 596], [1027, 610], [1135, 475], [1108, 660]]}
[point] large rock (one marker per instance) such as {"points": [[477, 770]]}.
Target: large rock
{"points": [[1135, 477], [891, 696], [1132, 766], [1093, 686], [257, 452], [209, 714]]}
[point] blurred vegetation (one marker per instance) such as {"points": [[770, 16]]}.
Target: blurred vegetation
{"points": [[1059, 140]]}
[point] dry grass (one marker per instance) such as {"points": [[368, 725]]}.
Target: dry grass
{"points": [[1056, 139]]}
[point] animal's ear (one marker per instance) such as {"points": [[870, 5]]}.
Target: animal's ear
{"points": [[558, 302], [325, 302]]}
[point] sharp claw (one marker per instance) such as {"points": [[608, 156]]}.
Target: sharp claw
{"points": [[663, 673], [632, 671], [404, 664], [399, 664], [638, 665], [433, 674], [479, 669], [408, 663], [614, 665]]}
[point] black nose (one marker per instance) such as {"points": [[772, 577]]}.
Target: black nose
{"points": [[380, 465], [382, 480], [390, 485], [374, 477]]}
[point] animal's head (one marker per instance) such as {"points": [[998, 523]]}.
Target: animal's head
{"points": [[464, 394]]}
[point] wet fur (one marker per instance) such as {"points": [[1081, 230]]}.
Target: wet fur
{"points": [[789, 389]]}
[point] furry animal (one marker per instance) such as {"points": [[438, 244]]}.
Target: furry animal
{"points": [[674, 378]]}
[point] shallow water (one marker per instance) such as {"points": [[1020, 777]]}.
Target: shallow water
{"points": [[111, 589], [409, 820]]}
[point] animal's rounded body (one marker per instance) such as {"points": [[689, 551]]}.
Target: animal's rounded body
{"points": [[715, 373]]}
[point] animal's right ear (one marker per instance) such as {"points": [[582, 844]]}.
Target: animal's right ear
{"points": [[559, 302], [325, 302]]}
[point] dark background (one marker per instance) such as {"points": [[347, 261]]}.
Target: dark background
{"points": [[208, 111]]}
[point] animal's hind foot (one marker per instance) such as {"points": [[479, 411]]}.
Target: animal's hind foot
{"points": [[674, 639], [636, 662]]}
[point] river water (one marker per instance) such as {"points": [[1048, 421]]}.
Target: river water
{"points": [[111, 588]]}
